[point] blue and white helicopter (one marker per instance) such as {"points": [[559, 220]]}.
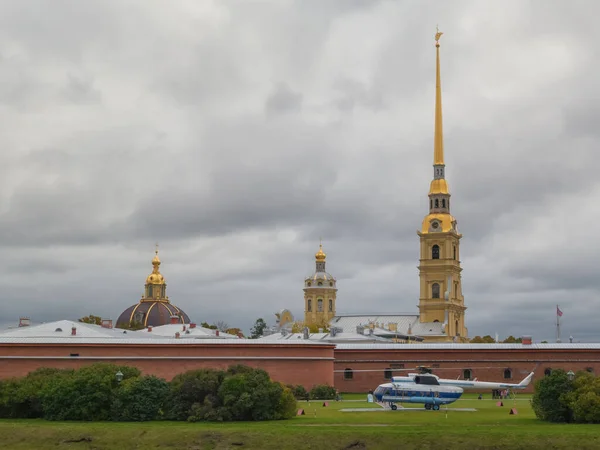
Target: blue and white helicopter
{"points": [[432, 391]]}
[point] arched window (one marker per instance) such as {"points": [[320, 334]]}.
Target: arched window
{"points": [[456, 328], [330, 305], [320, 305], [430, 204], [456, 290], [435, 290], [435, 252], [467, 374], [437, 203], [454, 249], [149, 290], [348, 374], [163, 291], [436, 321], [320, 283], [547, 372], [507, 374], [387, 374], [308, 283], [443, 203], [309, 307]]}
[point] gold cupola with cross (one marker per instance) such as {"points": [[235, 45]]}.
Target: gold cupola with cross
{"points": [[441, 298], [319, 294]]}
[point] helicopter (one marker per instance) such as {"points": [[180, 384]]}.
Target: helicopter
{"points": [[422, 388], [433, 391]]}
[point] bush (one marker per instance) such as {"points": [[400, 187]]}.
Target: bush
{"points": [[322, 392], [299, 391], [253, 396], [140, 399], [20, 397], [191, 389], [557, 399], [549, 400], [85, 394]]}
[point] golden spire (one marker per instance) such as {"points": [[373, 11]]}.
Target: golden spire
{"points": [[320, 255], [438, 141]]}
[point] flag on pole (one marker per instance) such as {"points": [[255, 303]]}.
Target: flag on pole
{"points": [[558, 311]]}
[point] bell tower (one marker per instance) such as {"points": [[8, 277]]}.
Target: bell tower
{"points": [[441, 298], [319, 294]]}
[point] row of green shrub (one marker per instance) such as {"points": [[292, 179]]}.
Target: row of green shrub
{"points": [[318, 392], [559, 399], [94, 393]]}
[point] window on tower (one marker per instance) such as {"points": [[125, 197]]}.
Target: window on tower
{"points": [[309, 305], [437, 203], [435, 290], [454, 249], [320, 283], [430, 204], [330, 305], [435, 252], [443, 203], [149, 290], [320, 305]]}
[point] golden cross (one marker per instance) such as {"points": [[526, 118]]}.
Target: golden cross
{"points": [[156, 251]]}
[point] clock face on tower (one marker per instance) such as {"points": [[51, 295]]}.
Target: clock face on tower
{"points": [[435, 226]]}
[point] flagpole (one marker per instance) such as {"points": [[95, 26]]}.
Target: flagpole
{"points": [[557, 325]]}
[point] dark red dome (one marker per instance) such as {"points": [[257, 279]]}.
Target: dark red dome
{"points": [[154, 313]]}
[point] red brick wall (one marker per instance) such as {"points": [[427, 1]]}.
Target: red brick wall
{"points": [[299, 364]]}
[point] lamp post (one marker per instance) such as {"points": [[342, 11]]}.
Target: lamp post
{"points": [[570, 375], [119, 376]]}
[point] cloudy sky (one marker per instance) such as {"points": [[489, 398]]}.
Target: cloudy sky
{"points": [[236, 133]]}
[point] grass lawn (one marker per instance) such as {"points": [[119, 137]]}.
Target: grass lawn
{"points": [[490, 427]]}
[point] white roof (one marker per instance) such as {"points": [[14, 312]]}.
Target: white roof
{"points": [[62, 329], [186, 332], [349, 322], [452, 346], [323, 337], [135, 340]]}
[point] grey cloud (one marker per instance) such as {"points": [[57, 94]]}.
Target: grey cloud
{"points": [[124, 125], [282, 100]]}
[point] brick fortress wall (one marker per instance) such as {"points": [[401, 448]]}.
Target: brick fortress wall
{"points": [[305, 364]]}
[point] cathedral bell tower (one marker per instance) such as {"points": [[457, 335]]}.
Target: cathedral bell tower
{"points": [[441, 298], [319, 294]]}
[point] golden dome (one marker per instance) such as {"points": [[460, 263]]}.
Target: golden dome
{"points": [[439, 186], [446, 223], [320, 255]]}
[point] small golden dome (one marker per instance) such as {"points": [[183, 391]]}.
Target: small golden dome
{"points": [[155, 277], [439, 186], [320, 255]]}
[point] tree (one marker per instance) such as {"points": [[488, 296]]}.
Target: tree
{"points": [[487, 339], [133, 325], [234, 331], [258, 329], [298, 327], [206, 325], [550, 399], [222, 326], [94, 320], [512, 340]]}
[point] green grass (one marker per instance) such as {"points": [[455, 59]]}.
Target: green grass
{"points": [[491, 427]]}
